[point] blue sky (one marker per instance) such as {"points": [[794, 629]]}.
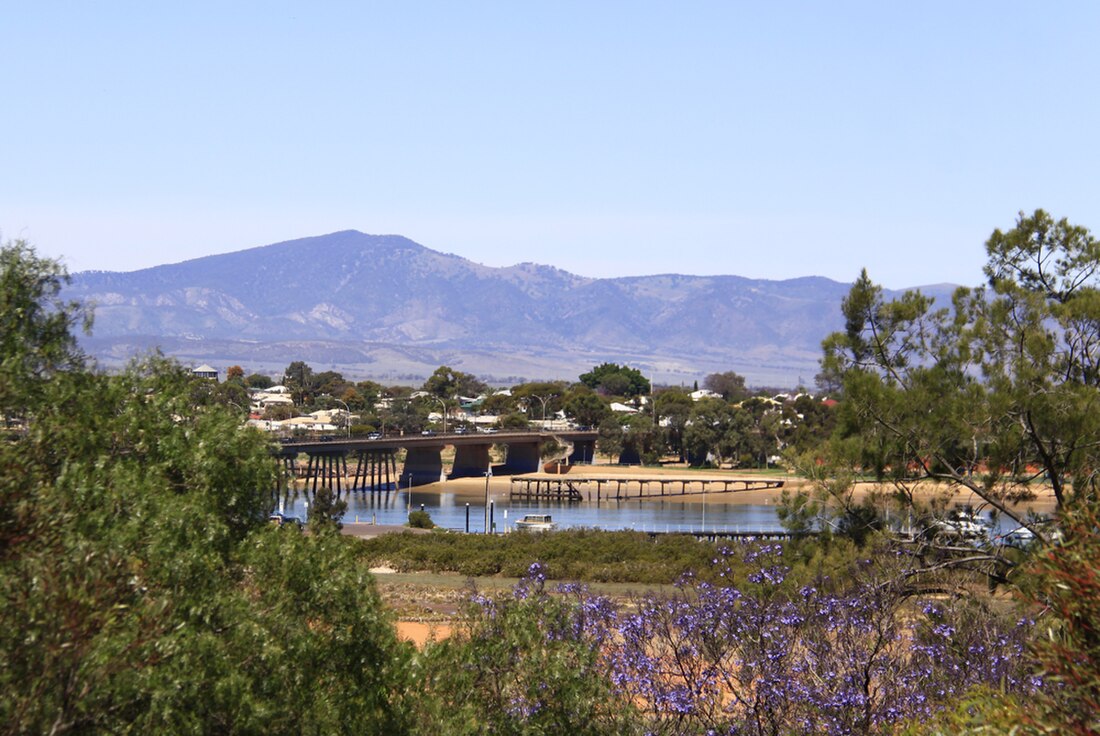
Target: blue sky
{"points": [[770, 140]]}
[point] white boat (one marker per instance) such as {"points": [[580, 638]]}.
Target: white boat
{"points": [[536, 523], [963, 522]]}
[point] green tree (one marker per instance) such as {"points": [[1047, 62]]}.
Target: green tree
{"points": [[641, 439], [531, 667], [326, 511], [258, 381], [229, 393], [331, 383], [814, 422], [541, 397], [730, 385], [299, 378], [674, 406], [279, 412], [717, 430], [609, 440], [371, 392], [514, 420], [760, 424], [612, 379], [447, 383], [498, 403], [997, 393], [406, 416], [36, 339], [585, 407], [141, 588]]}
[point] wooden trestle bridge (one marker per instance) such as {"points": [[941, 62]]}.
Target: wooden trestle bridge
{"points": [[621, 488]]}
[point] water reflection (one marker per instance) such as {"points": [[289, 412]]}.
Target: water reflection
{"points": [[448, 510]]}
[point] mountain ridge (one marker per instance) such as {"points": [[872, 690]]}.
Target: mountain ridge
{"points": [[366, 297]]}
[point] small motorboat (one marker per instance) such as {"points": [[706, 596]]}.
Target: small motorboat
{"points": [[963, 522], [536, 523]]}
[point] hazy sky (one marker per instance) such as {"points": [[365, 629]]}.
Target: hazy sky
{"points": [[769, 140]]}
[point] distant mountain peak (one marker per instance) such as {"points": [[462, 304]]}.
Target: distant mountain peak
{"points": [[378, 303]]}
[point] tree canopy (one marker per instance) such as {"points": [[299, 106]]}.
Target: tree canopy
{"points": [[141, 587], [612, 379], [447, 383], [36, 326], [995, 394], [729, 384]]}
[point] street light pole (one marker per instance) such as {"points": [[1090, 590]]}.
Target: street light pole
{"points": [[488, 475], [543, 409], [347, 415]]}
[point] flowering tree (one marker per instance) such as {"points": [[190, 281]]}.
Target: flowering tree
{"points": [[754, 656]]}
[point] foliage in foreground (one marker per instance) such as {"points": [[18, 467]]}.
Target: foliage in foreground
{"points": [[1066, 582], [747, 656], [991, 395], [141, 587], [584, 555]]}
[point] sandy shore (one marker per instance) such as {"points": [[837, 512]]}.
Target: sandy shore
{"points": [[473, 489]]}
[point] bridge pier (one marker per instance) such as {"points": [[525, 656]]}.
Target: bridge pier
{"points": [[584, 452], [326, 470], [423, 465], [375, 470], [523, 457], [471, 461]]}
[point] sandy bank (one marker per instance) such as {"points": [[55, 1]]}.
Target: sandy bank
{"points": [[473, 489]]}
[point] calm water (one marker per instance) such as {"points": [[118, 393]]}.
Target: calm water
{"points": [[663, 516], [446, 511]]}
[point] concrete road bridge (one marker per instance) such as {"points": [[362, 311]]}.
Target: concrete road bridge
{"points": [[373, 463]]}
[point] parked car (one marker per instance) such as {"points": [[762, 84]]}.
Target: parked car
{"points": [[462, 430], [374, 436], [428, 433]]}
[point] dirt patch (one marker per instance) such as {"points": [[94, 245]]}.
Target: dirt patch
{"points": [[420, 633]]}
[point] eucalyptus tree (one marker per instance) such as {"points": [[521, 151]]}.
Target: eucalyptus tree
{"points": [[672, 408]]}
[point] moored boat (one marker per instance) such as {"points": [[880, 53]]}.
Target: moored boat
{"points": [[536, 523]]}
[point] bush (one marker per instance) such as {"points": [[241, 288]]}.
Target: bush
{"points": [[421, 520]]}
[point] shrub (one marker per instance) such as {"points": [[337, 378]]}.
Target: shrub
{"points": [[421, 520]]}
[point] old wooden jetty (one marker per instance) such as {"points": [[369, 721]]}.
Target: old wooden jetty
{"points": [[555, 488]]}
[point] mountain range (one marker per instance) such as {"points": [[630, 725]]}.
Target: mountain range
{"points": [[387, 308]]}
